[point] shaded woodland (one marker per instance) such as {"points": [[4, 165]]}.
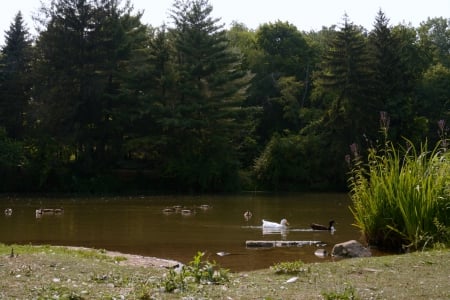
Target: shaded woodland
{"points": [[98, 102]]}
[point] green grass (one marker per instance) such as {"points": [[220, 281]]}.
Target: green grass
{"points": [[401, 198], [58, 273]]}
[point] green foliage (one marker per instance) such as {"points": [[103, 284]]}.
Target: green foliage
{"points": [[287, 161], [342, 85], [399, 64], [290, 267], [384, 48], [83, 47], [433, 95], [15, 85], [434, 37], [344, 69], [243, 41], [346, 75], [282, 68], [196, 272], [11, 152], [349, 293], [285, 48], [401, 198], [192, 106], [203, 119]]}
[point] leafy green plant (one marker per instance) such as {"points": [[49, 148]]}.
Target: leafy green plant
{"points": [[290, 267], [349, 293], [401, 197], [196, 272]]}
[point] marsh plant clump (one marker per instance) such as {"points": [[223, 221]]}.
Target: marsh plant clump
{"points": [[290, 267], [401, 196], [349, 293], [197, 272]]}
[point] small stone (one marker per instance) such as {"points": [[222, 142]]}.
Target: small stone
{"points": [[292, 279]]}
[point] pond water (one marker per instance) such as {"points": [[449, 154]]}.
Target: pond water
{"points": [[139, 225]]}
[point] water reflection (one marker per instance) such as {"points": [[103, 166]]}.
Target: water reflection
{"points": [[277, 231], [178, 227]]}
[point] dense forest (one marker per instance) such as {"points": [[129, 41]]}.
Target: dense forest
{"points": [[99, 102]]}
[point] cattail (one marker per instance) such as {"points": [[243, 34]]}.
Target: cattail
{"points": [[384, 120]]}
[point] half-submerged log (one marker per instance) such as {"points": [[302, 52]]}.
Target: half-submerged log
{"points": [[271, 244], [48, 212]]}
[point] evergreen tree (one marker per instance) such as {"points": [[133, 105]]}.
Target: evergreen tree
{"points": [[404, 118], [344, 79], [151, 84], [83, 49], [392, 86], [346, 75], [202, 117], [15, 67], [384, 52]]}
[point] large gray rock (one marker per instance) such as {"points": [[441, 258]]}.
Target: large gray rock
{"points": [[350, 249]]}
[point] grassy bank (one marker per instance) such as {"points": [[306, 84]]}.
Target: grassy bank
{"points": [[61, 273]]}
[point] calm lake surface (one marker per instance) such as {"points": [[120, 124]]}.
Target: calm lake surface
{"points": [[139, 225]]}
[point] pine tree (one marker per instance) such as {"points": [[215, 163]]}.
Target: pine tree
{"points": [[396, 67], [83, 48], [346, 75], [344, 80], [384, 52], [201, 119], [389, 77], [15, 67]]}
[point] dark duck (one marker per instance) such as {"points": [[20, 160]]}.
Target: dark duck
{"points": [[330, 226]]}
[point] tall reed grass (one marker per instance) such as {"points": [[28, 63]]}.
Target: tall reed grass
{"points": [[401, 197]]}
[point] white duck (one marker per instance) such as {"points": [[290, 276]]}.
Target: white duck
{"points": [[273, 225]]}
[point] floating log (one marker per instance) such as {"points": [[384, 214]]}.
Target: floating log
{"points": [[48, 212], [271, 244]]}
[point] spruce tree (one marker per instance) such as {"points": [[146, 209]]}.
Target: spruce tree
{"points": [[344, 79], [384, 53], [389, 76], [346, 75], [84, 47], [15, 67], [202, 118]]}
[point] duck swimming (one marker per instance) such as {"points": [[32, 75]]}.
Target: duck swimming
{"points": [[268, 224], [187, 212], [168, 210], [330, 226], [205, 206]]}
